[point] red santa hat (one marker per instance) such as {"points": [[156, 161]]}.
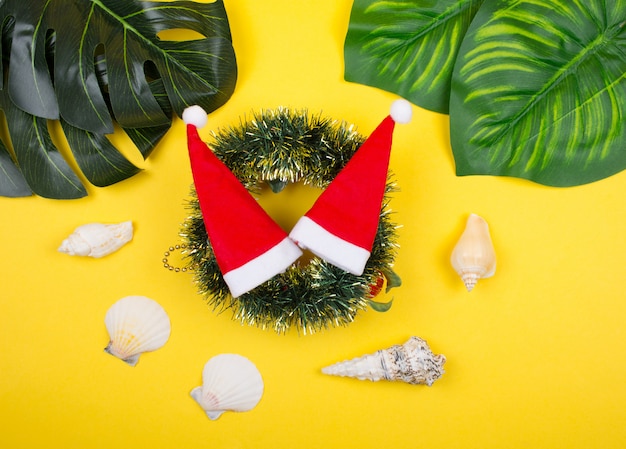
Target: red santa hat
{"points": [[249, 247], [342, 224]]}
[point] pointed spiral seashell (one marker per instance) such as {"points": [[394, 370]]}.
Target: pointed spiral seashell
{"points": [[413, 363], [136, 324], [97, 239], [230, 382], [473, 257]]}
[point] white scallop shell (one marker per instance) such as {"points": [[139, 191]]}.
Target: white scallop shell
{"points": [[230, 382], [97, 239], [413, 363], [136, 324]]}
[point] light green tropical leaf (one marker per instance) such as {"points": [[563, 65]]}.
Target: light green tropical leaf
{"points": [[407, 47], [539, 91]]}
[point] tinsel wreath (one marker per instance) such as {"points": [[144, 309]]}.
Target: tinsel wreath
{"points": [[278, 147]]}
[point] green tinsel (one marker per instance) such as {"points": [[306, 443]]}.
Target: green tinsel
{"points": [[278, 147]]}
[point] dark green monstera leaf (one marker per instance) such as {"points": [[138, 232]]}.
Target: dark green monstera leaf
{"points": [[407, 47], [92, 64], [12, 182], [539, 91]]}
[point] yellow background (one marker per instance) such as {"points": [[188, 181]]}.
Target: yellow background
{"points": [[535, 354]]}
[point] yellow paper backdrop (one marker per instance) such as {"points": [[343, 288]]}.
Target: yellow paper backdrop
{"points": [[535, 355]]}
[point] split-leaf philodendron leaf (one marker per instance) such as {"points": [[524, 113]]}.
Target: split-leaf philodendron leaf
{"points": [[407, 47], [537, 88], [539, 91], [91, 64]]}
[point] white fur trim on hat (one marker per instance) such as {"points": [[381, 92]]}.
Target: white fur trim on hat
{"points": [[262, 268], [341, 253], [195, 115], [401, 111]]}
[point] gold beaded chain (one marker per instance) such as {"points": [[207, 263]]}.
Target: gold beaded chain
{"points": [[167, 254]]}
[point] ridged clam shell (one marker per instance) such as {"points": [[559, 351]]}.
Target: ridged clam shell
{"points": [[230, 382], [136, 324], [97, 239], [413, 363]]}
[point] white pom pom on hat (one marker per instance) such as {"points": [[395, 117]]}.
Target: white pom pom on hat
{"points": [[195, 115], [401, 111]]}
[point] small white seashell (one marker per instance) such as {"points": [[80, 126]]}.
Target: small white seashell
{"points": [[473, 257], [413, 363], [136, 324], [97, 239], [230, 382]]}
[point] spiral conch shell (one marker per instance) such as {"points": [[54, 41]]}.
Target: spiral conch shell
{"points": [[136, 324], [413, 363], [230, 382], [473, 257], [97, 239]]}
